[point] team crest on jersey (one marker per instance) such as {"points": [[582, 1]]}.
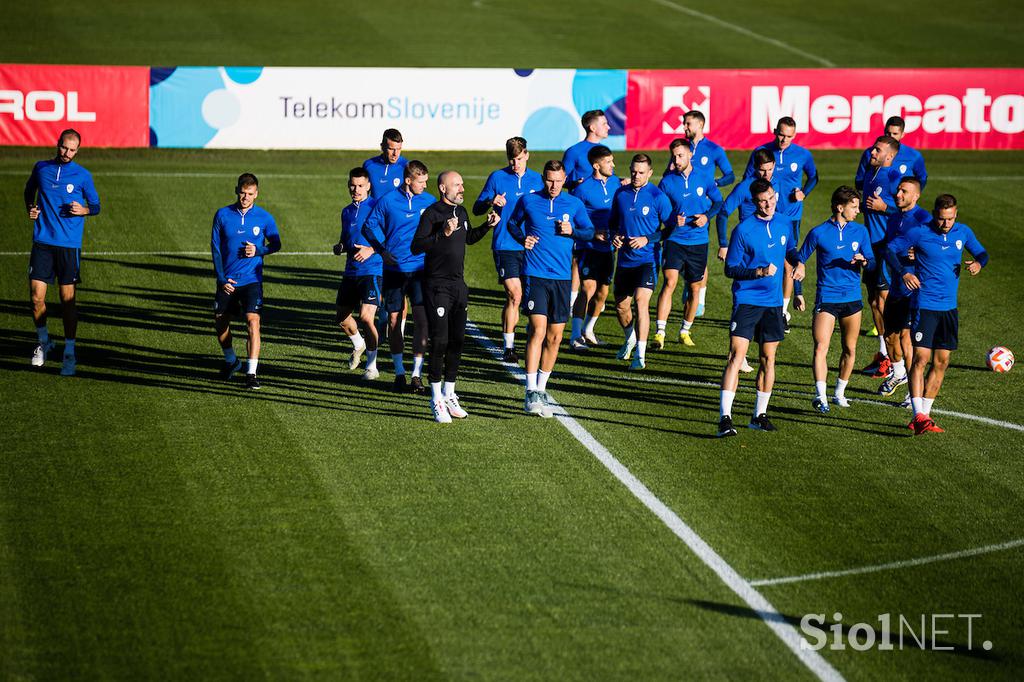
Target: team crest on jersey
{"points": [[793, 166], [700, 191], [565, 217], [855, 245], [959, 245], [647, 209], [256, 230], [903, 168], [878, 191], [440, 311], [703, 160], [70, 188], [782, 240], [395, 182]]}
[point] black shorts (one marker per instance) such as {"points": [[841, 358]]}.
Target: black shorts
{"points": [[356, 290], [840, 310], [877, 278], [691, 260], [897, 313], [398, 285], [548, 297], [597, 265], [628, 280], [244, 299], [509, 264], [758, 323], [61, 262], [935, 329]]}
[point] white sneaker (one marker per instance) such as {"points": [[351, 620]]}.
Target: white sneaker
{"points": [[441, 415], [592, 340], [626, 351], [454, 408], [357, 355], [40, 353], [68, 368], [546, 410], [638, 363], [906, 402], [371, 373], [841, 401], [745, 367], [578, 344], [533, 404]]}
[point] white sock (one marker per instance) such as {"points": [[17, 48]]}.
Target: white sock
{"points": [[229, 355], [531, 381], [449, 389], [588, 325], [918, 405], [253, 364], [926, 405], [899, 369], [702, 297], [572, 298], [510, 338], [69, 347], [399, 364], [403, 327], [661, 326], [435, 391], [819, 389], [357, 340], [577, 328], [641, 349], [43, 334], [881, 346], [417, 365], [687, 326], [785, 305], [841, 387], [761, 404], [726, 403], [371, 359], [542, 380], [630, 333]]}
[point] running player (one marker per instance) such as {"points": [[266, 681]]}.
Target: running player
{"points": [[547, 223], [502, 191], [386, 169], [842, 250], [909, 161], [577, 166], [638, 211], [935, 276]]}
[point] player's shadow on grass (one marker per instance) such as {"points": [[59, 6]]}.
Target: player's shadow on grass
{"points": [[930, 643]]}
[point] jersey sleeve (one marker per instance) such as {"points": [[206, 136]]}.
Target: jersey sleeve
{"points": [[748, 172], [92, 197], [812, 174], [584, 226], [271, 238], [483, 202], [515, 225], [32, 187], [218, 259], [809, 246], [862, 169], [920, 172], [722, 161], [974, 246]]}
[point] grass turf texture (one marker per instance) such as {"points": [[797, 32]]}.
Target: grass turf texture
{"points": [[156, 521]]}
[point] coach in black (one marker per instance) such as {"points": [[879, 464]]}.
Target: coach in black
{"points": [[442, 235]]}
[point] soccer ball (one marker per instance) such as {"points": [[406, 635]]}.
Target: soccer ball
{"points": [[1000, 359]]}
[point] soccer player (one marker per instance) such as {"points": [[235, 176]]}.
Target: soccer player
{"points": [[390, 228], [243, 234], [577, 166], [442, 235], [900, 302], [879, 188], [842, 250], [547, 223], [935, 275], [695, 200], [793, 164], [757, 252], [909, 161], [59, 195], [502, 191], [596, 257], [386, 169], [638, 211], [361, 283]]}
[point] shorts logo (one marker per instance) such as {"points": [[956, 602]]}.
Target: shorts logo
{"points": [[918, 336], [256, 230], [70, 188], [395, 182], [903, 168], [959, 245], [703, 160], [793, 167], [647, 209], [700, 191], [501, 272], [440, 311], [586, 271], [676, 100], [732, 327], [530, 305]]}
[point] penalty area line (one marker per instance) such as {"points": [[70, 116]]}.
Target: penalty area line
{"points": [[785, 631]]}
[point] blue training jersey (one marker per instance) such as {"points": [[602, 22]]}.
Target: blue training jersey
{"points": [[597, 196], [908, 161], [638, 213], [514, 187], [577, 167], [758, 242], [691, 195], [54, 186], [936, 263], [352, 218], [385, 177], [231, 230], [791, 165], [834, 247], [739, 200], [535, 215], [393, 222], [707, 156], [881, 183], [901, 223]]}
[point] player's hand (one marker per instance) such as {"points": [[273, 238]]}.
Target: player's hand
{"points": [[973, 267], [250, 250], [617, 241], [499, 200], [493, 219], [911, 281], [75, 208], [363, 253], [600, 236], [388, 258], [799, 272], [625, 181], [33, 212], [876, 204], [681, 219], [563, 227], [338, 248], [798, 195], [229, 286], [770, 270], [531, 241], [700, 220], [451, 226], [799, 304], [638, 242], [859, 261], [723, 251]]}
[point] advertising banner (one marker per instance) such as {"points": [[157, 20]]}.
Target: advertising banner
{"points": [[108, 105], [833, 108]]}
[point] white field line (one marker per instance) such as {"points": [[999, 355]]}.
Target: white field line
{"points": [[768, 613], [799, 394], [892, 565], [745, 31]]}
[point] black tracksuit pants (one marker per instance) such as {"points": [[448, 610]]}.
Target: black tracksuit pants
{"points": [[446, 303]]}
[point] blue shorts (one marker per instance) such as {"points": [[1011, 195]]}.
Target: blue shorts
{"points": [[897, 313], [597, 265], [840, 310], [548, 297], [691, 260], [61, 262], [877, 278], [247, 298], [935, 329], [509, 264], [628, 280], [758, 323], [398, 285], [356, 290]]}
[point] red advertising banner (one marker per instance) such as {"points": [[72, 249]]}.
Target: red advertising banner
{"points": [[833, 108], [108, 105]]}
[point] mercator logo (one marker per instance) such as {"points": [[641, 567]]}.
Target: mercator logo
{"points": [[676, 100]]}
